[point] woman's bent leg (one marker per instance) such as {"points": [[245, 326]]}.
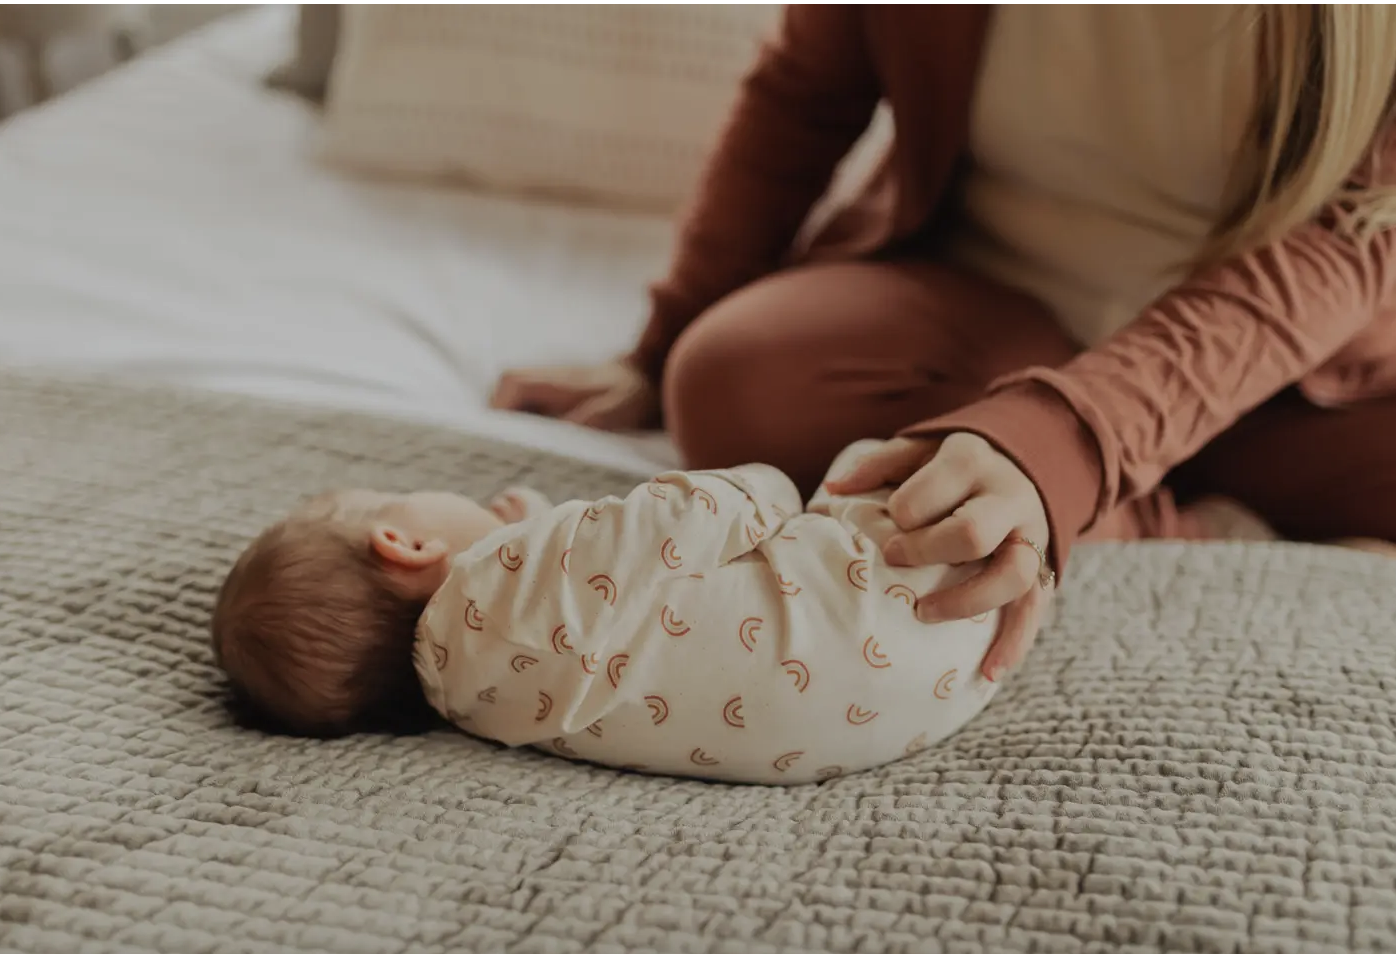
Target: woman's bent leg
{"points": [[1314, 474], [794, 368]]}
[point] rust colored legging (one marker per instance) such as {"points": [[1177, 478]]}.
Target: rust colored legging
{"points": [[795, 367]]}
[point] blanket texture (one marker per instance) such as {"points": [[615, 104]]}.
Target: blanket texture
{"points": [[1199, 756]]}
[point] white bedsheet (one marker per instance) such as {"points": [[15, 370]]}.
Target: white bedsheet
{"points": [[170, 222]]}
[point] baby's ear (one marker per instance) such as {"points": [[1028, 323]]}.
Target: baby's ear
{"points": [[401, 549]]}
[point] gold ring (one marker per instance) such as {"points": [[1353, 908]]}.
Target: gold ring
{"points": [[1046, 576]]}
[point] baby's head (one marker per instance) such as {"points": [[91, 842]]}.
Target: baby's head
{"points": [[315, 623]]}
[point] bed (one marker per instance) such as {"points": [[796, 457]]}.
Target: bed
{"points": [[214, 251], [200, 324]]}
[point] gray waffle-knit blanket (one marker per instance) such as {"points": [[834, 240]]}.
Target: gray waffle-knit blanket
{"points": [[1199, 756]]}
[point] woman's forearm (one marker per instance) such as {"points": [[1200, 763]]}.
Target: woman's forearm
{"points": [[810, 96], [1107, 426]]}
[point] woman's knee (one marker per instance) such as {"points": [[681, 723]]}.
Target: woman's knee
{"points": [[725, 388], [791, 369]]}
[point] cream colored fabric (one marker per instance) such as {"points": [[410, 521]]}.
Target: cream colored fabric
{"points": [[702, 626], [614, 105], [1102, 138]]}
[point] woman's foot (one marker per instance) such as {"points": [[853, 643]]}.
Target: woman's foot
{"points": [[1221, 518], [1380, 547]]}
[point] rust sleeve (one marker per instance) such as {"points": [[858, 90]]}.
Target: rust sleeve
{"points": [[1107, 426], [809, 97]]}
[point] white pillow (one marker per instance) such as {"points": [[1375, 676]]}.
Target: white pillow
{"points": [[610, 105]]}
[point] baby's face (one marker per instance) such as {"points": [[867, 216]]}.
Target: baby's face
{"points": [[456, 521]]}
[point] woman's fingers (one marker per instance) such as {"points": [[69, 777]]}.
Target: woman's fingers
{"points": [[1019, 623], [535, 392], [618, 408], [511, 390], [604, 412], [943, 484], [972, 532], [1011, 573], [889, 464]]}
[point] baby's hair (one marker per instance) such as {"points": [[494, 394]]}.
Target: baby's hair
{"points": [[313, 635]]}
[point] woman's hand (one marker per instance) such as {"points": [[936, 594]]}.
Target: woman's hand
{"points": [[614, 396], [959, 501]]}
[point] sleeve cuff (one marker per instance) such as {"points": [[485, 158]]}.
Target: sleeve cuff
{"points": [[1040, 433]]}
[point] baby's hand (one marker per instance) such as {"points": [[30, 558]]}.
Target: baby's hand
{"points": [[518, 504]]}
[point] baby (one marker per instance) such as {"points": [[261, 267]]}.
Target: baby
{"points": [[703, 625]]}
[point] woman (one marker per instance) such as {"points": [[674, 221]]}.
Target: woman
{"points": [[1112, 247]]}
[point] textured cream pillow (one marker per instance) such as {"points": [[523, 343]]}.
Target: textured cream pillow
{"points": [[610, 105]]}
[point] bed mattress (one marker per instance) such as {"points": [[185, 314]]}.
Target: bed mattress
{"points": [[170, 222], [1199, 756]]}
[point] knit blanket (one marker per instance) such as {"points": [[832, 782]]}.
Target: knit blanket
{"points": [[1200, 754]]}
